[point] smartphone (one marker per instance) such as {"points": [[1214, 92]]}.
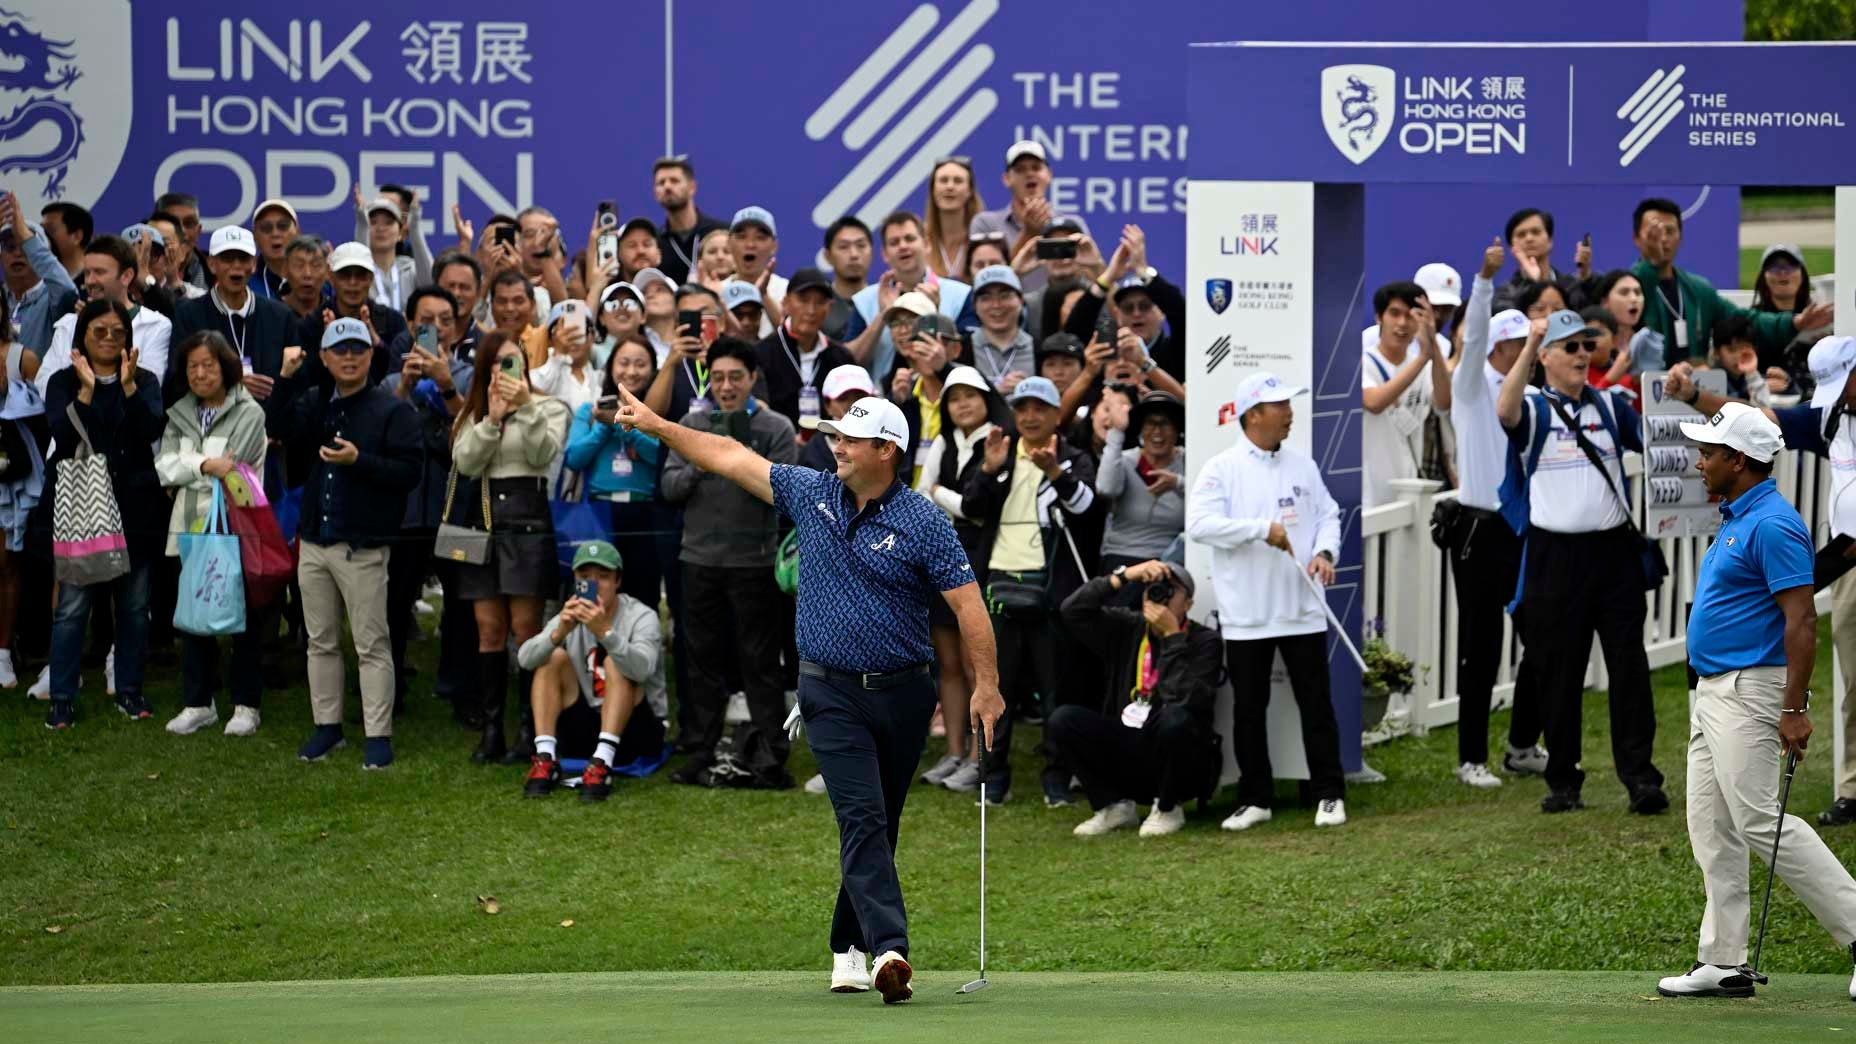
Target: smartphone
{"points": [[1586, 240], [928, 326], [606, 250], [332, 444], [691, 320], [504, 233], [1107, 330], [427, 337], [607, 403], [608, 217], [586, 589], [710, 330], [511, 366], [1056, 248]]}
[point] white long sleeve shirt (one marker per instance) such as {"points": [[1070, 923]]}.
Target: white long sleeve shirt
{"points": [[1241, 491], [1481, 445]]}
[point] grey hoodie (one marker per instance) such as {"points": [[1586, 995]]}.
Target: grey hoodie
{"points": [[634, 644]]}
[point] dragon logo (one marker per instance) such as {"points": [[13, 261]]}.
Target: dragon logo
{"points": [[1352, 112], [64, 98]]}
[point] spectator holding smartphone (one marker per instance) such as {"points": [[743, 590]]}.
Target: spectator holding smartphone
{"points": [[509, 436], [620, 468], [1144, 485], [1151, 311], [570, 374]]}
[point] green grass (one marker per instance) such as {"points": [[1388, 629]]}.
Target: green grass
{"points": [[1817, 261], [203, 859], [1756, 203], [786, 1006]]}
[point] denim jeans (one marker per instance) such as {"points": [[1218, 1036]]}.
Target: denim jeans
{"points": [[129, 594]]}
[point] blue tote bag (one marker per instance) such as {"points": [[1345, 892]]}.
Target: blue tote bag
{"points": [[212, 582]]}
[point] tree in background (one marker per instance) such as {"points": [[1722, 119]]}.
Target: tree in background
{"points": [[1775, 20]]}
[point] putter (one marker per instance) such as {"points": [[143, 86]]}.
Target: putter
{"points": [[1765, 905], [979, 736]]}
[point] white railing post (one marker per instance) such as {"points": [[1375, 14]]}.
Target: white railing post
{"points": [[1413, 611]]}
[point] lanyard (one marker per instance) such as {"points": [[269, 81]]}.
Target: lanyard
{"points": [[960, 256], [698, 380], [1675, 310], [238, 342], [689, 263], [1142, 663], [794, 359], [984, 346]]}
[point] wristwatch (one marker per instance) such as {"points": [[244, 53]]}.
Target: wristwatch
{"points": [[1147, 362], [1120, 573]]}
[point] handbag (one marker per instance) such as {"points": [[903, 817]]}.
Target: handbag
{"points": [[577, 520], [212, 593], [465, 544], [1447, 518], [1011, 593], [23, 433], [1649, 553], [267, 558], [88, 546]]}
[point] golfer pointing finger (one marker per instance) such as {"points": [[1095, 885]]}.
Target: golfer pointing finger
{"points": [[1752, 640], [872, 553]]}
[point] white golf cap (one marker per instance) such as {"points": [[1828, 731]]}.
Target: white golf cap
{"points": [[871, 418], [914, 302], [351, 255], [386, 205], [1831, 361], [278, 204], [964, 377], [1022, 149], [842, 380], [232, 239], [1441, 284], [1739, 426], [644, 280], [1510, 325], [1262, 387]]}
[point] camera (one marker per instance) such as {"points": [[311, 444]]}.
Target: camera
{"points": [[1056, 248], [1160, 591]]}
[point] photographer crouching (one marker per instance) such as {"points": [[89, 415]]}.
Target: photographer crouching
{"points": [[1157, 742]]}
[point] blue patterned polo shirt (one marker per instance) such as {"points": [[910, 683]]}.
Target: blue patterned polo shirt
{"points": [[866, 578]]}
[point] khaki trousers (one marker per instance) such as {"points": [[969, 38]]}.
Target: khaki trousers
{"points": [[1843, 636], [334, 576]]}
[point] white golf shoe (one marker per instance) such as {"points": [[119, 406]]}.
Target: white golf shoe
{"points": [[1160, 824], [942, 769], [41, 687], [850, 972], [9, 679], [1531, 761], [891, 977], [1246, 817], [816, 785], [1477, 774], [1332, 812], [1118, 816], [244, 722], [192, 719], [965, 779], [1708, 980]]}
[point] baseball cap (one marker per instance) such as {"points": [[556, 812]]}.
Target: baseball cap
{"points": [[1022, 149], [842, 380], [278, 204], [232, 239], [965, 377], [1567, 323], [617, 288], [870, 418], [1739, 426], [808, 279], [1262, 387], [1039, 389], [1831, 361], [137, 232], [599, 553], [1131, 282], [1064, 225], [1442, 286], [644, 280], [914, 302], [344, 330], [351, 255], [997, 275], [1065, 344], [736, 293], [387, 205], [635, 224], [1788, 249], [754, 216], [1510, 325], [1182, 578]]}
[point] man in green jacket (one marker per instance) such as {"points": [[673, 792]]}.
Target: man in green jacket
{"points": [[1683, 307]]}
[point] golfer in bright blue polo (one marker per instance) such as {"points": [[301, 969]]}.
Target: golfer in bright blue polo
{"points": [[872, 553]]}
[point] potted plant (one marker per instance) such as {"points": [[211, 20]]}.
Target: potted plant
{"points": [[1388, 673]]}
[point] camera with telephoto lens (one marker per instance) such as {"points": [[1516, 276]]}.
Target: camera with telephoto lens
{"points": [[1160, 591]]}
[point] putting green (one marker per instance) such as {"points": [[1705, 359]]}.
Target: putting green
{"points": [[1170, 1007]]}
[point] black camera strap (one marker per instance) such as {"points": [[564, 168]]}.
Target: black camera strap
{"points": [[1591, 454]]}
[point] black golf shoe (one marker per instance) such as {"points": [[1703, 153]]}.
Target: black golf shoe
{"points": [[1842, 812]]}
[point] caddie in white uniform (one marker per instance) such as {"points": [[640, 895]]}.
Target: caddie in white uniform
{"points": [[1752, 641]]}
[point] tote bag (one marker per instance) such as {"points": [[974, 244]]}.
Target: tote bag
{"points": [[266, 556], [212, 587], [87, 539]]}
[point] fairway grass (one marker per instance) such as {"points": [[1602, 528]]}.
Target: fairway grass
{"points": [[790, 1006]]}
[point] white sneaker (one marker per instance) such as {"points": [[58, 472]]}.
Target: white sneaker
{"points": [[1706, 980], [192, 719], [737, 708], [965, 779], [850, 972], [816, 785], [1246, 817], [244, 721], [1332, 812], [1477, 774], [41, 688], [1529, 762], [423, 608], [8, 679], [942, 769], [1160, 824], [109, 672], [891, 977], [1117, 816]]}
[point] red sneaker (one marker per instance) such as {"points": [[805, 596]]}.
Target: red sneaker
{"points": [[596, 782], [544, 774]]}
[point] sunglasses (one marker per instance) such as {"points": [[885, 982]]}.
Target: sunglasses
{"points": [[964, 161], [349, 348], [616, 303], [109, 334], [267, 227], [987, 237], [1580, 346]]}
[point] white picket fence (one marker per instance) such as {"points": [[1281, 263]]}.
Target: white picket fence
{"points": [[1408, 586]]}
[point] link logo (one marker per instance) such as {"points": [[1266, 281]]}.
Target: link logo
{"points": [[1648, 111]]}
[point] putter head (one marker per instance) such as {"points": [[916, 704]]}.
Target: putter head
{"points": [[974, 987], [1754, 974]]}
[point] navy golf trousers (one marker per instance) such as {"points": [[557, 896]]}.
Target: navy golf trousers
{"points": [[867, 744]]}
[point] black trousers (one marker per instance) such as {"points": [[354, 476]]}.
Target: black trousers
{"points": [[1167, 760], [199, 667], [1306, 658], [1027, 663], [1484, 569], [1579, 585], [407, 568], [868, 745], [740, 616]]}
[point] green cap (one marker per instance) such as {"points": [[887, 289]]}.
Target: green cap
{"points": [[599, 553]]}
